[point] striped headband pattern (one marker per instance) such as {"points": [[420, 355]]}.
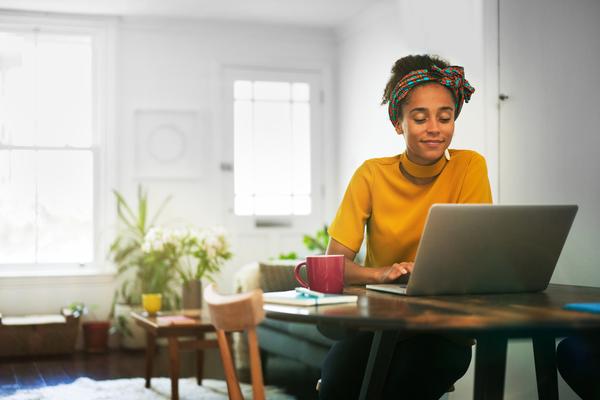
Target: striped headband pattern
{"points": [[452, 77]]}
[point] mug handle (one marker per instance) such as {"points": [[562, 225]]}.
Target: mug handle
{"points": [[297, 274]]}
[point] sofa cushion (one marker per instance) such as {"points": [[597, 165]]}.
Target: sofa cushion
{"points": [[307, 332], [292, 342], [270, 276], [278, 275]]}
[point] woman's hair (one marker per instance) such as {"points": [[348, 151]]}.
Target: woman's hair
{"points": [[406, 65]]}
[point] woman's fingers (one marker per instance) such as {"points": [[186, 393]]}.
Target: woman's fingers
{"points": [[397, 270], [408, 266], [388, 274], [404, 267]]}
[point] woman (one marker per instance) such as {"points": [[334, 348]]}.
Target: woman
{"points": [[391, 197]]}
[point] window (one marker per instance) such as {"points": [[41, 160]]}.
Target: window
{"points": [[272, 147], [48, 148]]}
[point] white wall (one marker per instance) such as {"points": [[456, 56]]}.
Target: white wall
{"points": [[550, 123], [179, 66], [176, 65]]}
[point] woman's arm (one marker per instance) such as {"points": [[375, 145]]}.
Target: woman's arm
{"points": [[355, 274]]}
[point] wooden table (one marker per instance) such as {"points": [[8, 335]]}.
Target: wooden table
{"points": [[196, 341], [491, 319]]}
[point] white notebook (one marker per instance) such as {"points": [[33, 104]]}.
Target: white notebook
{"points": [[293, 298]]}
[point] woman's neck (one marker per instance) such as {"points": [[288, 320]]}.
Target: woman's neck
{"points": [[421, 174]]}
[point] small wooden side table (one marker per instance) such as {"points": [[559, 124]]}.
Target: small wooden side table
{"points": [[155, 328]]}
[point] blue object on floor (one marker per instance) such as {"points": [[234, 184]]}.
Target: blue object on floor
{"points": [[585, 307]]}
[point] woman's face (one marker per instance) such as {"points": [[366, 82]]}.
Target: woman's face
{"points": [[427, 123]]}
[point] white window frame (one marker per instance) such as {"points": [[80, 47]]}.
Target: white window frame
{"points": [[271, 223], [102, 32]]}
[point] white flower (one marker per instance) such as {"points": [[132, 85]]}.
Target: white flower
{"points": [[211, 252], [157, 238], [146, 247], [207, 245]]}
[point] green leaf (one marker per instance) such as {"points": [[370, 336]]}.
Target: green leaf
{"points": [[288, 256], [122, 204], [142, 209], [160, 210]]}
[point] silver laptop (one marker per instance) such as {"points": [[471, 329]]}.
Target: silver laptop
{"points": [[469, 249]]}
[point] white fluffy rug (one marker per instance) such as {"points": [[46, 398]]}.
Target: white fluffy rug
{"points": [[133, 389]]}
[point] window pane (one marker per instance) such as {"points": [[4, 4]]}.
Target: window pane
{"points": [[300, 92], [242, 90], [302, 205], [273, 205], [301, 147], [18, 90], [47, 89], [272, 174], [65, 204], [17, 207], [64, 108], [273, 148], [272, 90], [243, 148], [46, 197]]}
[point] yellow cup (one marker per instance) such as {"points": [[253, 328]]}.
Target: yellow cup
{"points": [[151, 302]]}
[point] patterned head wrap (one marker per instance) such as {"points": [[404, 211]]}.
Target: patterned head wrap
{"points": [[452, 77]]}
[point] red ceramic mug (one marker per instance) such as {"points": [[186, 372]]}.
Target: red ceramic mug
{"points": [[325, 273]]}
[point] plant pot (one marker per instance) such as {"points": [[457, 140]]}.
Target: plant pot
{"points": [[151, 302], [192, 297], [95, 336]]}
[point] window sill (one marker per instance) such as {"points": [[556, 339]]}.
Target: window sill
{"points": [[56, 276]]}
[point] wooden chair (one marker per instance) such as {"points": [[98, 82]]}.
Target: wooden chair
{"points": [[235, 313]]}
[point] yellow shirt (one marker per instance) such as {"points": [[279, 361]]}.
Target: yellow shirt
{"points": [[394, 209]]}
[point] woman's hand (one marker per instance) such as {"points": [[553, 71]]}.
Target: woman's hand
{"points": [[355, 274], [395, 271]]}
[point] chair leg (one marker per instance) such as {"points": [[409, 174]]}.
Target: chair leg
{"points": [[258, 389], [233, 387]]}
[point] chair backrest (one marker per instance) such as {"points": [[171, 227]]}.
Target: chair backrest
{"points": [[234, 313]]}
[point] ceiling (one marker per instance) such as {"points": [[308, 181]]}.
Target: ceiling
{"points": [[318, 13]]}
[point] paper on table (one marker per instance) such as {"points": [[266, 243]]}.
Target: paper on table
{"points": [[292, 297], [175, 320]]}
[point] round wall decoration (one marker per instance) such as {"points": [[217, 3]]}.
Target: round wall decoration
{"points": [[166, 144]]}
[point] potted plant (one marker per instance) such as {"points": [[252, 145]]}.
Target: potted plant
{"points": [[317, 243], [139, 272], [95, 332], [194, 254]]}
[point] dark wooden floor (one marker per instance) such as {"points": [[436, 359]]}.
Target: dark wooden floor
{"points": [[29, 373], [22, 373]]}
